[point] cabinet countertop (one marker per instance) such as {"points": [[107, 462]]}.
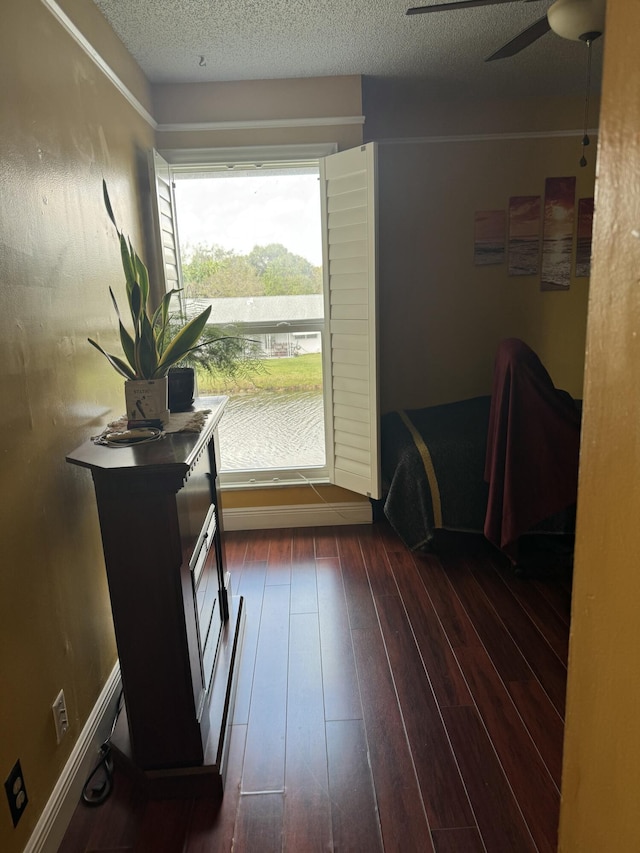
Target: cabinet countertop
{"points": [[175, 452]]}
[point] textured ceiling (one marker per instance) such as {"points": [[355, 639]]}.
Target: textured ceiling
{"points": [[261, 39]]}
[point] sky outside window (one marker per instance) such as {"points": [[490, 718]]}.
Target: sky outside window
{"points": [[241, 210]]}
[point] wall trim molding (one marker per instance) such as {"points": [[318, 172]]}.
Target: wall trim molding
{"points": [[261, 124], [93, 54], [486, 137], [302, 515], [54, 820]]}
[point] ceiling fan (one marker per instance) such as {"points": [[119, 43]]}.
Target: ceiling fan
{"points": [[579, 20]]}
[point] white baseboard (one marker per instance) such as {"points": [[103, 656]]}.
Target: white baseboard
{"points": [[55, 818], [303, 515]]}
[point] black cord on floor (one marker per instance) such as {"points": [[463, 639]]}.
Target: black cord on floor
{"points": [[99, 784]]}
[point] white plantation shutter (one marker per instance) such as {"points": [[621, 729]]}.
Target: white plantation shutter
{"points": [[165, 226], [349, 218]]}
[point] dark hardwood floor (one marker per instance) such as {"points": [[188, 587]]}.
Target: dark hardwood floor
{"points": [[387, 701]]}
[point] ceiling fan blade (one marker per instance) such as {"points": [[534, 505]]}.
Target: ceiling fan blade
{"points": [[522, 40], [461, 4]]}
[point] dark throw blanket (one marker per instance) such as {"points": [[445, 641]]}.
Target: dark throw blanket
{"points": [[532, 450], [433, 469]]}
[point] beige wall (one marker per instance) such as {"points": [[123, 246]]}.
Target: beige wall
{"points": [[441, 316], [259, 101], [397, 109], [64, 127], [601, 774]]}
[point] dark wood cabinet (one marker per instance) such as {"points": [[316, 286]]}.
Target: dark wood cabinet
{"points": [[177, 628]]}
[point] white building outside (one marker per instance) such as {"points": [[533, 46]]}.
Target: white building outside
{"points": [[279, 323]]}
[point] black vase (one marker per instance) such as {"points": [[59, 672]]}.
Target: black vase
{"points": [[182, 384]]}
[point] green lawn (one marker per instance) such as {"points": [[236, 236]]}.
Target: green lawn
{"points": [[301, 373]]}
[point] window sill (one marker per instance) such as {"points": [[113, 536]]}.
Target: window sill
{"points": [[273, 483]]}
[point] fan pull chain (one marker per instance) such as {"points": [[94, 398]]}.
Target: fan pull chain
{"points": [[585, 139]]}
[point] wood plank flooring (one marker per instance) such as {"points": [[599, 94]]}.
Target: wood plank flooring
{"points": [[387, 701]]}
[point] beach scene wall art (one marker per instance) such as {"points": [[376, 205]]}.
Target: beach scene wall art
{"points": [[489, 235], [583, 244], [524, 235], [557, 235]]}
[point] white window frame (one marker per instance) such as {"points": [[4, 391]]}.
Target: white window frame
{"points": [[349, 328]]}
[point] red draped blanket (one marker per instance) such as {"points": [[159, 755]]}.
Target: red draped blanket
{"points": [[532, 447]]}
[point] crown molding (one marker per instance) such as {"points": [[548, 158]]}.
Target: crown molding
{"points": [[486, 137], [261, 124], [95, 57]]}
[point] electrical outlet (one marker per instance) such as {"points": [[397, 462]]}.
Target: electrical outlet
{"points": [[16, 792], [60, 717]]}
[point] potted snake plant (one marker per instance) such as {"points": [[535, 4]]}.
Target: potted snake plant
{"points": [[150, 349]]}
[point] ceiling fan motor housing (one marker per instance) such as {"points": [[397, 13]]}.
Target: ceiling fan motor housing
{"points": [[578, 20]]}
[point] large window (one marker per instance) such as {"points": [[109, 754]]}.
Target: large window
{"points": [[251, 247], [312, 316]]}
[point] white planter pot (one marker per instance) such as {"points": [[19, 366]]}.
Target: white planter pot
{"points": [[147, 400]]}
